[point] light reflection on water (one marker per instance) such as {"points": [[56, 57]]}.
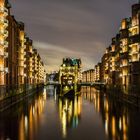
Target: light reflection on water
{"points": [[33, 118], [118, 120], [69, 113], [28, 124]]}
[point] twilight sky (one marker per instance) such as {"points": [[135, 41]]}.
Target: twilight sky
{"points": [[71, 28]]}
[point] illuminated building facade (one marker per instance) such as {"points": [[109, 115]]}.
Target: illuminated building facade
{"points": [[84, 76], [92, 75], [105, 67], [12, 59], [4, 11], [88, 76], [35, 59], [120, 65], [98, 72], [70, 72], [41, 71], [38, 68], [21, 55], [29, 61], [124, 55], [134, 45], [122, 60], [21, 66]]}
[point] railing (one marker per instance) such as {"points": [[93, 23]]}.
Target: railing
{"points": [[10, 95], [92, 83], [11, 90], [130, 98], [133, 99], [52, 83], [7, 91]]}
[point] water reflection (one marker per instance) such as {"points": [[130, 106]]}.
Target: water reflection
{"points": [[90, 115], [28, 124], [115, 116], [92, 95], [69, 113], [23, 119]]}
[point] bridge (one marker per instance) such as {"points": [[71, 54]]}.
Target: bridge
{"points": [[92, 84], [82, 83], [52, 83]]}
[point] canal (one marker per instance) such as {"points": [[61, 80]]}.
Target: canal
{"points": [[89, 116]]}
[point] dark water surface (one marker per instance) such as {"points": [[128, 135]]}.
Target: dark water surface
{"points": [[90, 116]]}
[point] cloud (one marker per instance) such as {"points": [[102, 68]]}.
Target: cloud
{"points": [[52, 55], [76, 28]]}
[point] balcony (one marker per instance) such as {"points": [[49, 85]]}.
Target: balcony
{"points": [[1, 9], [4, 54], [21, 63], [30, 60], [21, 57], [21, 53], [2, 69], [6, 33], [30, 70], [4, 21], [6, 70], [30, 65], [4, 10], [1, 32], [6, 44], [2, 43], [135, 26]]}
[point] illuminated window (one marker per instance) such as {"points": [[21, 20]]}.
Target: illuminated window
{"points": [[124, 41], [135, 57], [113, 48], [135, 21], [134, 31], [123, 26]]}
